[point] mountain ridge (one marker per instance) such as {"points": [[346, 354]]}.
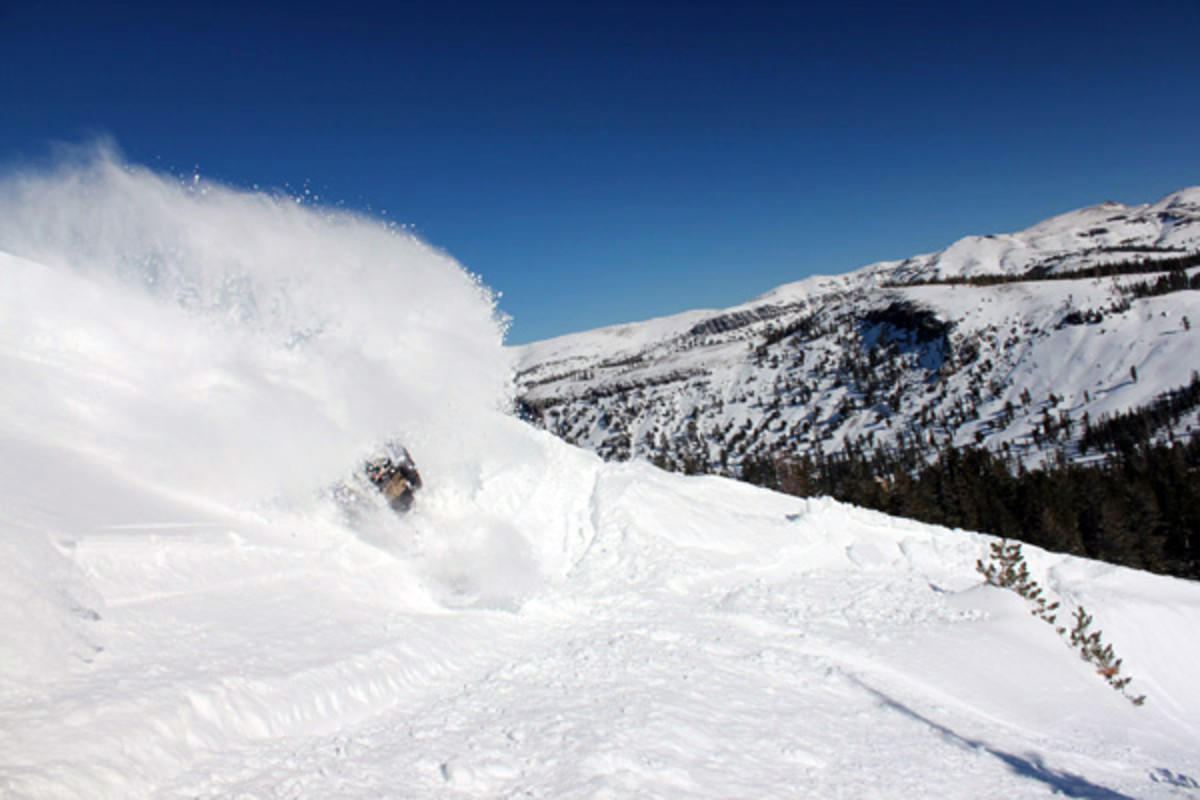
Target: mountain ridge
{"points": [[738, 375], [906, 270]]}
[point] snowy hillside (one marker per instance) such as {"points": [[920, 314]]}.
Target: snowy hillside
{"points": [[1103, 233], [895, 356], [188, 369]]}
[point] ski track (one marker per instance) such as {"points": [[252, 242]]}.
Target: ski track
{"points": [[841, 656]]}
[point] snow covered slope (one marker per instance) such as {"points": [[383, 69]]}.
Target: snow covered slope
{"points": [[884, 357], [185, 614]]}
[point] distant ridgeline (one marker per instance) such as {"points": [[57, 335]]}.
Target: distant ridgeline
{"points": [[1150, 260], [1054, 403]]}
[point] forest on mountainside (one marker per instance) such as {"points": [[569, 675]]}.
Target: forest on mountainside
{"points": [[1139, 507], [1135, 266]]}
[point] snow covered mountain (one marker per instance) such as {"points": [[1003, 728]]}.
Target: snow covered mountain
{"points": [[1005, 341], [188, 369]]}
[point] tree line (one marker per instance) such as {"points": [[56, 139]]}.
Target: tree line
{"points": [[1140, 508], [1136, 266], [1176, 280], [1125, 432]]}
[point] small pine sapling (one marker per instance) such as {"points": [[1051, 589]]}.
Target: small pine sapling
{"points": [[1092, 649], [1006, 569], [1047, 612]]}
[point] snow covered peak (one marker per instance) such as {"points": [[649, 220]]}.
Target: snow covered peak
{"points": [[1189, 197], [1103, 233]]}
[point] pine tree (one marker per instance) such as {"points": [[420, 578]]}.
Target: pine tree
{"points": [[1006, 569], [1093, 650]]}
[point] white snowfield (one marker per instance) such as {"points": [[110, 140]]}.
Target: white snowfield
{"points": [[186, 615]]}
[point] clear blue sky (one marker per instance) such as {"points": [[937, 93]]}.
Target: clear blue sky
{"points": [[607, 162]]}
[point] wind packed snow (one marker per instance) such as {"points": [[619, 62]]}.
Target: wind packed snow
{"points": [[187, 369]]}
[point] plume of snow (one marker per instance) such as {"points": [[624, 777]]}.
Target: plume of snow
{"points": [[234, 342]]}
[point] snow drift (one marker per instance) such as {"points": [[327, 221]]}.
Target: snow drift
{"points": [[183, 368]]}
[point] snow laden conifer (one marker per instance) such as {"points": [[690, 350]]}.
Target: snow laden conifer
{"points": [[1006, 569]]}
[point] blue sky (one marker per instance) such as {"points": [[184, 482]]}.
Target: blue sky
{"points": [[607, 162]]}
